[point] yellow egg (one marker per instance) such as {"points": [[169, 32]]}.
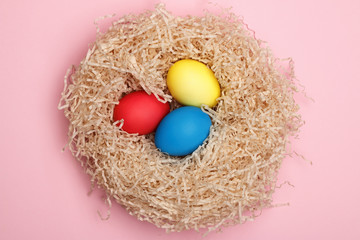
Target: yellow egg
{"points": [[192, 83]]}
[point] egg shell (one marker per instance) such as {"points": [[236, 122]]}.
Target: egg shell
{"points": [[192, 83], [182, 131], [141, 112]]}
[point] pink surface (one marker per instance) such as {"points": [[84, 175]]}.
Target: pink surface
{"points": [[44, 192]]}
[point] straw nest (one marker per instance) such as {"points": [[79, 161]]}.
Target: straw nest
{"points": [[232, 176]]}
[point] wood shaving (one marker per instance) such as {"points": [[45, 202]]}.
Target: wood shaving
{"points": [[232, 176]]}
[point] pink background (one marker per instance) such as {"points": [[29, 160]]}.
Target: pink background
{"points": [[44, 192]]}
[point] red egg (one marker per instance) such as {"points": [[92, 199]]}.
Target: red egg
{"points": [[141, 112]]}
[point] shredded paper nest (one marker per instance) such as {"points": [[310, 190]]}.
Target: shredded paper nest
{"points": [[232, 176]]}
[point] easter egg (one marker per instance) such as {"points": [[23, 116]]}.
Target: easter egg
{"points": [[192, 83], [182, 131], [141, 112]]}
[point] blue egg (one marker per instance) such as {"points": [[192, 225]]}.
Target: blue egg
{"points": [[182, 131]]}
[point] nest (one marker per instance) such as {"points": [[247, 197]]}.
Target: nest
{"points": [[232, 176]]}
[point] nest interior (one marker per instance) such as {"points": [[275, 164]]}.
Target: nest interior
{"points": [[228, 179]]}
